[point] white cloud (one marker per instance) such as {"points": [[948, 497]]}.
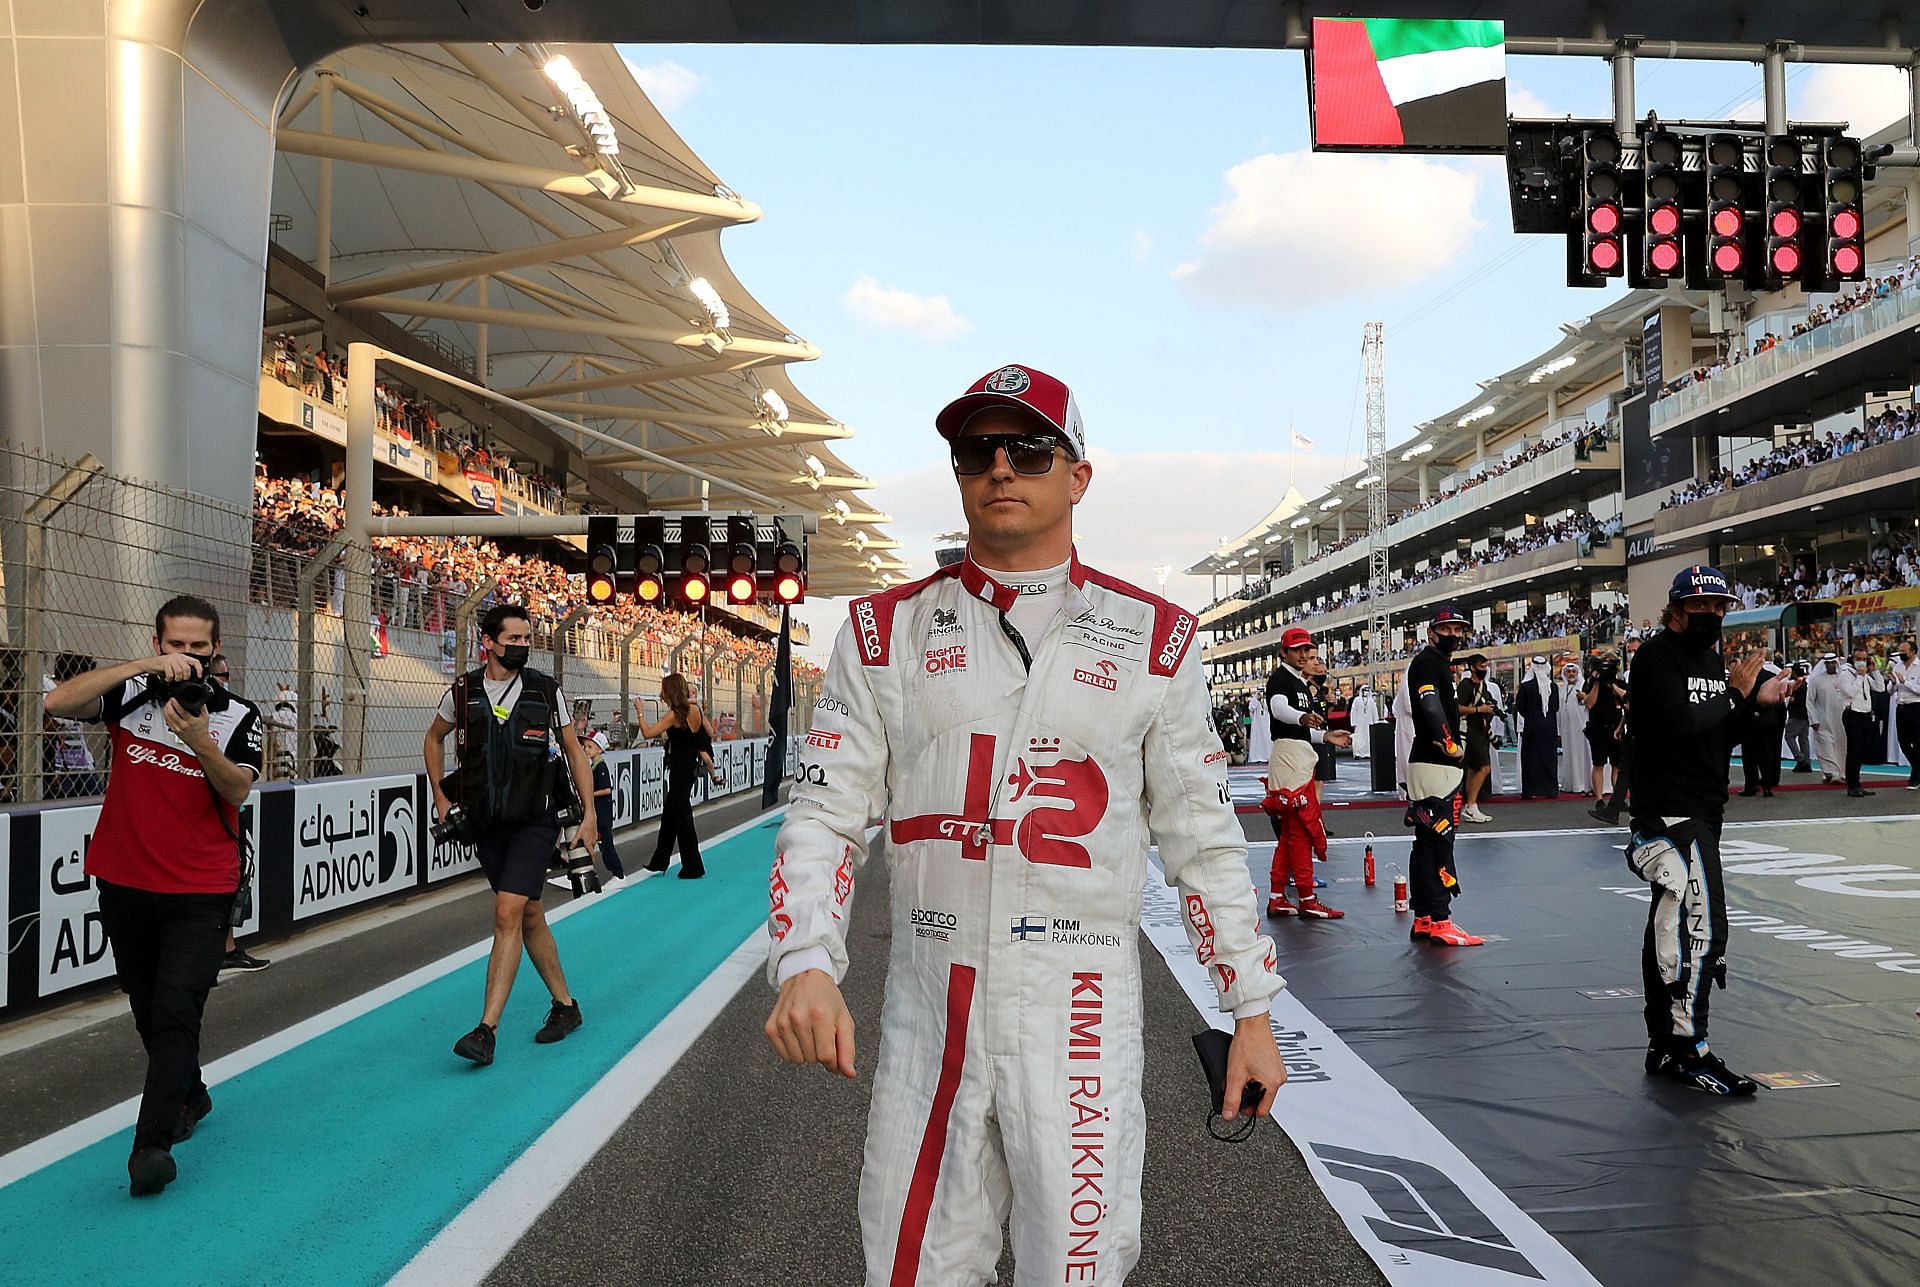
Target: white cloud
{"points": [[1867, 98], [668, 84], [1523, 102], [1140, 247], [931, 317], [1300, 228]]}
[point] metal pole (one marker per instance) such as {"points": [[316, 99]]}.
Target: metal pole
{"points": [[463, 617], [626, 675], [303, 656], [483, 336], [560, 637], [1773, 74], [1375, 349], [27, 763], [356, 611], [1623, 107], [323, 212]]}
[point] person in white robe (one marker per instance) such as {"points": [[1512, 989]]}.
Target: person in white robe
{"points": [[1365, 710], [1576, 756], [1823, 714]]}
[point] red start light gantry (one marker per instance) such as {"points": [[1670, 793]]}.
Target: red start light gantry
{"points": [[1726, 221], [1847, 260], [1604, 256], [1727, 259], [1786, 260], [1846, 224], [1605, 219], [1664, 221], [1665, 257], [1786, 223]]}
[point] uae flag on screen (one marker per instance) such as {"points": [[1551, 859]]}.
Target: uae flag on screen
{"points": [[1415, 83]]}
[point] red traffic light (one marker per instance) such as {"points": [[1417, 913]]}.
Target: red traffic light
{"points": [[1727, 221], [1727, 258], [1604, 255], [1846, 223], [1664, 256], [1786, 260], [1663, 221], [1784, 222], [1604, 219], [693, 588], [740, 588], [1846, 260], [647, 589], [600, 588], [787, 588]]}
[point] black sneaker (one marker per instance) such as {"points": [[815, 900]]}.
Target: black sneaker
{"points": [[561, 1020], [476, 1045], [1607, 813], [1659, 1058], [196, 1107], [149, 1170], [1707, 1073], [238, 959]]}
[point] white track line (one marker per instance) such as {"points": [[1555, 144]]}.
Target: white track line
{"points": [[68, 1140]]}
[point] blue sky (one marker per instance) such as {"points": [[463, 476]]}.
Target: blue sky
{"points": [[934, 212]]}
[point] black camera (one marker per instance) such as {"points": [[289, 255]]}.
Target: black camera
{"points": [[454, 829], [196, 694]]}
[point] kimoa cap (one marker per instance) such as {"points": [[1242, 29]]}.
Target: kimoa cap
{"points": [[1295, 637], [1025, 389], [1700, 580], [1447, 613]]}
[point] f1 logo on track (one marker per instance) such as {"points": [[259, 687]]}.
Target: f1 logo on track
{"points": [[1425, 1211]]}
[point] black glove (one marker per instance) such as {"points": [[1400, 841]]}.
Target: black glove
{"points": [[1212, 1046]]}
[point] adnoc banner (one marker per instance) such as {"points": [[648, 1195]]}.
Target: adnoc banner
{"points": [[353, 840]]}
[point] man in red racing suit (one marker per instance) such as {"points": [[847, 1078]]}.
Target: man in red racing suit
{"points": [[1013, 729]]}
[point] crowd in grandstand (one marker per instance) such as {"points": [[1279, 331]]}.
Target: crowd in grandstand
{"points": [[1886, 567], [1867, 292], [419, 582], [1890, 425], [322, 373], [1590, 624], [1587, 439]]}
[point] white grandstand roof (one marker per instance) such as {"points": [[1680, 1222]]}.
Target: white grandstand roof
{"points": [[469, 196]]}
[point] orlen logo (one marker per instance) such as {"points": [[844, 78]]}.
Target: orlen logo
{"points": [[824, 740], [869, 623], [1093, 680], [1176, 641], [944, 659]]}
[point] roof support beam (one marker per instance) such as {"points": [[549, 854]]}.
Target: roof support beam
{"points": [[662, 374], [557, 182], [487, 265], [408, 306]]}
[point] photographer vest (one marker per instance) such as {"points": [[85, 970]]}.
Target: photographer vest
{"points": [[507, 767]]}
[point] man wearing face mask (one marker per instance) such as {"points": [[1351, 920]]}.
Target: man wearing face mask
{"points": [[509, 788], [1689, 710], [1434, 775], [1854, 691]]}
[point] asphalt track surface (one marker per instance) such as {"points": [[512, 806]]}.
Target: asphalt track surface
{"points": [[738, 1169]]}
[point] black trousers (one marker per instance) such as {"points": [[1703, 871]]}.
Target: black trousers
{"points": [[1760, 756], [1683, 954], [166, 950], [1906, 727], [676, 827], [1858, 728], [1432, 879]]}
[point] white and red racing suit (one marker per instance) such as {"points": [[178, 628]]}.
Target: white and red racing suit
{"points": [[1015, 778]]}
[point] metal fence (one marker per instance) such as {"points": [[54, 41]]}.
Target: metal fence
{"points": [[86, 557]]}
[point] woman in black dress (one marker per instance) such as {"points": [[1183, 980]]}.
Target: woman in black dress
{"points": [[689, 744]]}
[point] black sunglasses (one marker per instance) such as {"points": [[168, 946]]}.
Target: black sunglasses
{"points": [[1028, 453]]}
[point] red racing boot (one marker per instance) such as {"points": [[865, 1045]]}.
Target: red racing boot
{"points": [[1315, 910], [1422, 928], [1279, 906], [1452, 935]]}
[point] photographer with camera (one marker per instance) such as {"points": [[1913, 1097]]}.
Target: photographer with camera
{"points": [[1605, 697], [166, 854], [508, 797]]}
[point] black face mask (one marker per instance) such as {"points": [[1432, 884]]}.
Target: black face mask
{"points": [[1446, 644], [514, 656], [1703, 630]]}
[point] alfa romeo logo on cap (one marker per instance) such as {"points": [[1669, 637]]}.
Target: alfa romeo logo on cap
{"points": [[1008, 379]]}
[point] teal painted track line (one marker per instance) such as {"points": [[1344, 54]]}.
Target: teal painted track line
{"points": [[336, 1161]]}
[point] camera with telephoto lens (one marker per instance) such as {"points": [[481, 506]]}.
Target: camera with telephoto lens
{"points": [[196, 694], [453, 829], [577, 860]]}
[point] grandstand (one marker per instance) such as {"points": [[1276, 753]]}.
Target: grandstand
{"points": [[1771, 434]]}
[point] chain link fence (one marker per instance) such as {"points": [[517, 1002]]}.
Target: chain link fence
{"points": [[86, 557]]}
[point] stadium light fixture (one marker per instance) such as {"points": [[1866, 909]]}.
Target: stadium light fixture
{"points": [[816, 467], [775, 405], [1480, 412], [1368, 481], [583, 103], [1302, 521], [702, 289], [1412, 453], [1332, 502]]}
